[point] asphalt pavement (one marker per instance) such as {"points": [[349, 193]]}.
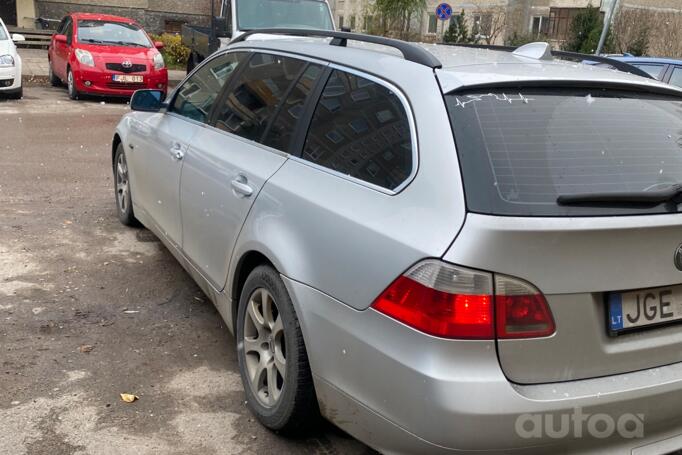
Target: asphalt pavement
{"points": [[90, 309]]}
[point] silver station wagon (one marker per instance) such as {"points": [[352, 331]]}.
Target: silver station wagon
{"points": [[439, 249]]}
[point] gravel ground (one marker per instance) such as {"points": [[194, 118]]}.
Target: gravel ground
{"points": [[90, 309]]}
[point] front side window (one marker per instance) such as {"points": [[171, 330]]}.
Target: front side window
{"points": [[361, 129], [520, 150], [196, 97], [68, 30], [255, 14], [112, 34], [256, 95], [656, 71]]}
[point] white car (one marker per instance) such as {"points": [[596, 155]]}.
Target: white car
{"points": [[10, 64]]}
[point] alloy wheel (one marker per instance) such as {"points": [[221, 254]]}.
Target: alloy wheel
{"points": [[122, 187], [264, 348]]}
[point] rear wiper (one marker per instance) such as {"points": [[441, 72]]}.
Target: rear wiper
{"points": [[673, 193]]}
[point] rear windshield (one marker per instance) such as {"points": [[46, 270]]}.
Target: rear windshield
{"points": [[254, 14], [112, 33], [521, 149]]}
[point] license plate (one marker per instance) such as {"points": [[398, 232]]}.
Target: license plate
{"points": [[636, 309], [126, 79]]}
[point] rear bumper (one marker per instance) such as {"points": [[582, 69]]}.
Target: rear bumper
{"points": [[101, 82], [401, 391]]}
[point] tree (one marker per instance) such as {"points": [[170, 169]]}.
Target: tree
{"points": [[397, 15], [458, 31], [631, 31], [494, 26]]}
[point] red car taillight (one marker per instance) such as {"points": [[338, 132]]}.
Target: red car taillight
{"points": [[521, 310], [454, 302]]}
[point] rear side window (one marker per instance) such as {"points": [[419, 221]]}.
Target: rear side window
{"points": [[519, 151], [361, 129], [196, 97], [256, 95], [676, 78]]}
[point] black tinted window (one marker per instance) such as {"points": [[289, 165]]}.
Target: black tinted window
{"points": [[197, 96], [256, 95], [361, 129], [283, 126], [520, 151]]}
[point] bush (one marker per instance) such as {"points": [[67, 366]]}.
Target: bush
{"points": [[175, 54], [518, 39]]}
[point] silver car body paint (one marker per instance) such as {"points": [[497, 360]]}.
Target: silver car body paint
{"points": [[339, 242]]}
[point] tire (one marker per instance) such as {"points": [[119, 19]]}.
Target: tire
{"points": [[291, 407], [124, 198], [71, 84], [54, 80]]}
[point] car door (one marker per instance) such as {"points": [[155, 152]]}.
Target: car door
{"points": [[227, 165], [161, 142], [62, 50]]}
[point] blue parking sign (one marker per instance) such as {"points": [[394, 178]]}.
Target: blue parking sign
{"points": [[444, 11]]}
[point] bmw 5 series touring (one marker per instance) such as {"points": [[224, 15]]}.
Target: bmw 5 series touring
{"points": [[439, 249]]}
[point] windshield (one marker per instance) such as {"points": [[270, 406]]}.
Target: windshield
{"points": [[521, 150], [255, 14], [111, 33], [3, 35]]}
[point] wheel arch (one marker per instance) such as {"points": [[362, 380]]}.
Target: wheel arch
{"points": [[245, 265], [114, 146]]}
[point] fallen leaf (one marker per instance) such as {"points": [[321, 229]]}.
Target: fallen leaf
{"points": [[129, 398], [86, 348]]}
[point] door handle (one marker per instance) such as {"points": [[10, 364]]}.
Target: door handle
{"points": [[176, 151], [241, 187]]}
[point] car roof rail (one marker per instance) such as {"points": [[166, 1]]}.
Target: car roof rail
{"points": [[411, 52], [564, 55]]}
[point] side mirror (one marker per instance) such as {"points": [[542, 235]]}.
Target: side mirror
{"points": [[147, 100], [60, 38], [17, 38], [159, 45]]}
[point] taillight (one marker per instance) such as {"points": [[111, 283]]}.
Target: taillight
{"points": [[521, 310], [442, 300], [448, 301]]}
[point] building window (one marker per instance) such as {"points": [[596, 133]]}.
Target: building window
{"points": [[171, 26], [340, 22], [352, 22], [433, 23], [368, 23], [483, 24], [539, 25]]}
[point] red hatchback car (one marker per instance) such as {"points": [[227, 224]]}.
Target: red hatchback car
{"points": [[105, 55]]}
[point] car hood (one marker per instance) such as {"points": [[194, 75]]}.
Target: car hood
{"points": [[120, 52], [6, 47]]}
